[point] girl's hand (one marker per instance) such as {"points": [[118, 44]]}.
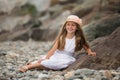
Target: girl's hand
{"points": [[92, 53]]}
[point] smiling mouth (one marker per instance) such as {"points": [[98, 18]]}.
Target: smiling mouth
{"points": [[70, 29]]}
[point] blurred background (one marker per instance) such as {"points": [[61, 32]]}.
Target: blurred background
{"points": [[41, 20], [29, 27]]}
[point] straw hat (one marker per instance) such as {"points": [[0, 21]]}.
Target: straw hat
{"points": [[75, 19]]}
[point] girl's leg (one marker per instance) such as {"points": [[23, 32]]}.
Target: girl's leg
{"points": [[31, 66], [35, 65]]}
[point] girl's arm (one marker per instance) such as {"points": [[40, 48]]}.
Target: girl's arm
{"points": [[51, 52], [89, 51]]}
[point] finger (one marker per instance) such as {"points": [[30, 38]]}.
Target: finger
{"points": [[89, 54], [94, 54]]}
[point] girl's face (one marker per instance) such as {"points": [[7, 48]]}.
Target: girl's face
{"points": [[71, 27]]}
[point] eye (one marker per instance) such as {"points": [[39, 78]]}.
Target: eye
{"points": [[67, 24], [73, 24]]}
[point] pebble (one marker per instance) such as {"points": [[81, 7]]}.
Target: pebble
{"points": [[15, 54]]}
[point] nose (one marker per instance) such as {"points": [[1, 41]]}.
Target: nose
{"points": [[70, 26]]}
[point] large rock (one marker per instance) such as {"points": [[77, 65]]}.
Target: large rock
{"points": [[12, 27], [41, 5], [108, 54], [8, 6], [102, 27], [85, 8], [10, 22]]}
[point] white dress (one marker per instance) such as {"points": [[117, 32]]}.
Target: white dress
{"points": [[61, 59]]}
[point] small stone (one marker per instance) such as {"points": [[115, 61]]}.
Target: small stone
{"points": [[75, 77], [43, 75], [2, 52], [2, 63], [107, 73], [116, 78], [104, 79], [69, 74]]}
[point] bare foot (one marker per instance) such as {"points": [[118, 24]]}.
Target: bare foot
{"points": [[23, 69]]}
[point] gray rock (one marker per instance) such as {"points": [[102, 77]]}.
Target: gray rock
{"points": [[2, 63]]}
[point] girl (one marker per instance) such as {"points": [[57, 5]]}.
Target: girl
{"points": [[70, 40]]}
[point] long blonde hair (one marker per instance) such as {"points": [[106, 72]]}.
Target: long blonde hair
{"points": [[79, 40]]}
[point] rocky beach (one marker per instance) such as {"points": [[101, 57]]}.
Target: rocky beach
{"points": [[13, 55], [28, 29]]}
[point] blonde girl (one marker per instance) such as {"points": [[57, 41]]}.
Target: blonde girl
{"points": [[70, 40]]}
